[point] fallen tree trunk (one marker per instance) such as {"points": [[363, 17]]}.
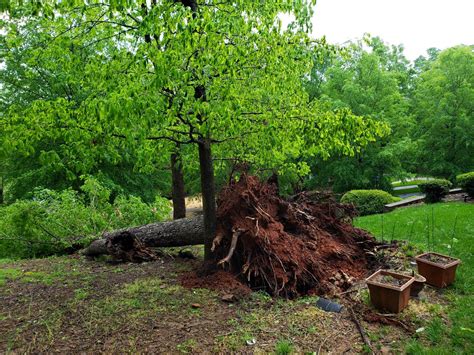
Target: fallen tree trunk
{"points": [[181, 232]]}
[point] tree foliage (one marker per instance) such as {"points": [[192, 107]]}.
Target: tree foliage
{"points": [[444, 107], [46, 140], [368, 78]]}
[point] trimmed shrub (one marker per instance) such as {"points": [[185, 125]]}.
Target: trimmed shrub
{"points": [[435, 189], [466, 181], [368, 201]]}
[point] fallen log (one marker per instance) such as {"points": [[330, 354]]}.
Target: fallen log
{"points": [[181, 232]]}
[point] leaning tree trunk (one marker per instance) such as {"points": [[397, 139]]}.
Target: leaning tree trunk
{"points": [[167, 234], [1, 191], [178, 195], [208, 195]]}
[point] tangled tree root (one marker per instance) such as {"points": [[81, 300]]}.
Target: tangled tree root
{"points": [[288, 248], [127, 247]]}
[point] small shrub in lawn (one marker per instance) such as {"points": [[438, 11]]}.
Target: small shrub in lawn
{"points": [[435, 190], [368, 201], [466, 181]]}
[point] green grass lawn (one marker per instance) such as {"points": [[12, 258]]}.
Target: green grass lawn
{"points": [[405, 191], [408, 183], [447, 228]]}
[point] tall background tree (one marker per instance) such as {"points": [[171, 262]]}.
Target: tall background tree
{"points": [[371, 79], [444, 106]]}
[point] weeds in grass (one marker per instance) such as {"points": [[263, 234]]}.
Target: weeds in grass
{"points": [[283, 347], [365, 297], [435, 330], [9, 274], [80, 294], [453, 235]]}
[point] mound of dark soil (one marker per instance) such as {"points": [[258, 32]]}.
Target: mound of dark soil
{"points": [[288, 247], [220, 281]]}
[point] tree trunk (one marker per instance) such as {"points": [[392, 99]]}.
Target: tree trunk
{"points": [[179, 202], [208, 195], [167, 234], [1, 191]]}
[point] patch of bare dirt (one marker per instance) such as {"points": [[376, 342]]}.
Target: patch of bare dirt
{"points": [[220, 281], [81, 310]]}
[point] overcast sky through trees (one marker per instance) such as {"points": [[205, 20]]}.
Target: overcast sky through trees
{"points": [[417, 24]]}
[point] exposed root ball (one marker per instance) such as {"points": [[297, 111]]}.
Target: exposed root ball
{"points": [[287, 248]]}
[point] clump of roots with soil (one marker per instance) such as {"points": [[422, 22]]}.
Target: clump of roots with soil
{"points": [[289, 247]]}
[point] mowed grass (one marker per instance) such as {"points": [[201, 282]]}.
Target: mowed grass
{"points": [[405, 191], [447, 228], [408, 183]]}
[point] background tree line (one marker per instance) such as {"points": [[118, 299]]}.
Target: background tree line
{"points": [[427, 104]]}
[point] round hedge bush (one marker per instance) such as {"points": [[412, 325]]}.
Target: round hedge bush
{"points": [[466, 181], [368, 201], [435, 189]]}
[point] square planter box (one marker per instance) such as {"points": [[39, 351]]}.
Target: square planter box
{"points": [[437, 273], [386, 296]]}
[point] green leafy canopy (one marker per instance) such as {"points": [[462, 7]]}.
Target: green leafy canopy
{"points": [[147, 76]]}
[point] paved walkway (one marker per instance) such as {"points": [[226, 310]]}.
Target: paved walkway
{"points": [[405, 187]]}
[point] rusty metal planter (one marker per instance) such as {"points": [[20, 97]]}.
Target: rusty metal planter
{"points": [[387, 297], [437, 274]]}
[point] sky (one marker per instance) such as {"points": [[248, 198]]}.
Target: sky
{"points": [[417, 24]]}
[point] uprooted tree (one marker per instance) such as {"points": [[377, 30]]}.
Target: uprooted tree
{"points": [[304, 244], [205, 73], [288, 247], [200, 73]]}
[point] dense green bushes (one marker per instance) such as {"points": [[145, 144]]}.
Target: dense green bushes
{"points": [[435, 189], [466, 181], [368, 201], [53, 222]]}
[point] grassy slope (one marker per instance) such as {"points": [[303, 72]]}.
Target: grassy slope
{"points": [[405, 191], [415, 224]]}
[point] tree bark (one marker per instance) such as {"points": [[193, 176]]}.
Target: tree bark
{"points": [[178, 195], [177, 233], [1, 191], [208, 195]]}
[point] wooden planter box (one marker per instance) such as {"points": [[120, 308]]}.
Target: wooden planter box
{"points": [[437, 274], [387, 297]]}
